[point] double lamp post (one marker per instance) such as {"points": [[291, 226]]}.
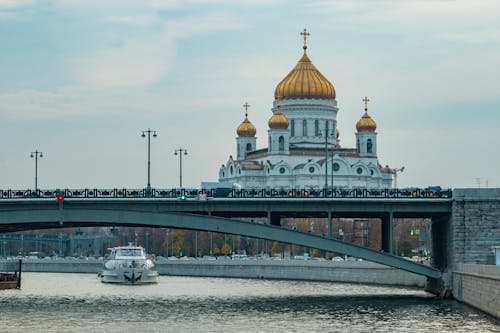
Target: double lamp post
{"points": [[178, 152]]}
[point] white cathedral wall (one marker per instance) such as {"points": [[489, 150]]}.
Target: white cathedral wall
{"points": [[322, 110]]}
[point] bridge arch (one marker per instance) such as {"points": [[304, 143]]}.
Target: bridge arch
{"points": [[43, 219]]}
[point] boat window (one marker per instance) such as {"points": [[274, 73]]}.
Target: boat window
{"points": [[129, 252]]}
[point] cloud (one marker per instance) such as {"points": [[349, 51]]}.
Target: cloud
{"points": [[432, 18], [7, 4], [195, 25], [135, 62]]}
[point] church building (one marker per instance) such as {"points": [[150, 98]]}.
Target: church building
{"points": [[304, 150]]}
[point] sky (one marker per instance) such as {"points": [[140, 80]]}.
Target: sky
{"points": [[81, 79]]}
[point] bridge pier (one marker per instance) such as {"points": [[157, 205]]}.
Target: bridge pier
{"points": [[387, 224], [441, 257], [329, 225], [274, 219]]}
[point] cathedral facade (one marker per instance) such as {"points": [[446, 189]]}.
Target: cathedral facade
{"points": [[304, 150]]}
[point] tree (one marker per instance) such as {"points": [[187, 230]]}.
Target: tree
{"points": [[226, 249]]}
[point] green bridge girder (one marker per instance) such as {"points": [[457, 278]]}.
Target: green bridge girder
{"points": [[32, 219]]}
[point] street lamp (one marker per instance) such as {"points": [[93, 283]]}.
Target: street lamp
{"points": [[326, 155], [35, 154], [149, 132], [180, 152]]}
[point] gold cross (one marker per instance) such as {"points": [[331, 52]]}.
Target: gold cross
{"points": [[305, 34], [366, 100], [246, 106]]}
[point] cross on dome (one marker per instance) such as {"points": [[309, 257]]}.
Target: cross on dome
{"points": [[304, 34], [246, 106], [366, 100]]}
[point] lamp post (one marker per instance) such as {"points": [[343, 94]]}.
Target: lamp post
{"points": [[35, 154], [326, 156], [180, 152], [149, 132]]}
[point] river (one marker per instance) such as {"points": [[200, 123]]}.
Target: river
{"points": [[50, 302]]}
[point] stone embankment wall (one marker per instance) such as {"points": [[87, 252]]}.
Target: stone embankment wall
{"points": [[475, 226], [355, 272], [478, 286]]}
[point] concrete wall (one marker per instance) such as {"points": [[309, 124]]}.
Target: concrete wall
{"points": [[355, 272], [478, 286]]}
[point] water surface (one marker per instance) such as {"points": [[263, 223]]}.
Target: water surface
{"points": [[51, 302]]}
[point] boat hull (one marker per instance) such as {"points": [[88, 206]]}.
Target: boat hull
{"points": [[130, 276]]}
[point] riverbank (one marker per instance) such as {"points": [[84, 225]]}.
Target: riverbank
{"points": [[309, 270]]}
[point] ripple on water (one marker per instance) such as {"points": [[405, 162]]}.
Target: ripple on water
{"points": [[80, 303]]}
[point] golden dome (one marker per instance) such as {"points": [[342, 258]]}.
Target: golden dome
{"points": [[278, 120], [304, 82], [246, 129], [366, 123]]}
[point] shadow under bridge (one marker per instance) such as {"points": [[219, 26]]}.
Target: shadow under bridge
{"points": [[41, 219]]}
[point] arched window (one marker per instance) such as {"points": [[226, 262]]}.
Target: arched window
{"points": [[357, 146], [231, 170], [238, 150], [316, 127], [249, 146], [292, 127], [281, 143], [304, 127], [270, 145], [369, 146]]}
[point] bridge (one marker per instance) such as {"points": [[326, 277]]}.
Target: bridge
{"points": [[25, 210], [465, 222]]}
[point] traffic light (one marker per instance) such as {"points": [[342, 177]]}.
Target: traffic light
{"points": [[183, 197]]}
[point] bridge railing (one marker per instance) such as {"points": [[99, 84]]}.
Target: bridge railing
{"points": [[202, 194]]}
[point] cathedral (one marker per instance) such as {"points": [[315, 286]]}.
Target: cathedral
{"points": [[304, 150]]}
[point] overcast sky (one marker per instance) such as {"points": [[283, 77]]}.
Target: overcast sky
{"points": [[80, 80]]}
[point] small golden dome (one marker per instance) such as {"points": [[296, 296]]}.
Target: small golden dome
{"points": [[278, 120], [304, 82], [246, 129], [366, 123]]}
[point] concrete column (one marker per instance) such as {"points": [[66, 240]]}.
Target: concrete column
{"points": [[387, 223], [440, 243], [329, 226], [274, 218]]}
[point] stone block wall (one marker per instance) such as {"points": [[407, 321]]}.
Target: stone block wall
{"points": [[478, 286], [474, 227]]}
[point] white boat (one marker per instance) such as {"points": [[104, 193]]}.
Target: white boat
{"points": [[129, 265]]}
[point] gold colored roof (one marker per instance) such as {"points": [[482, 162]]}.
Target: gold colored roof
{"points": [[304, 82], [278, 120], [246, 129], [366, 123]]}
